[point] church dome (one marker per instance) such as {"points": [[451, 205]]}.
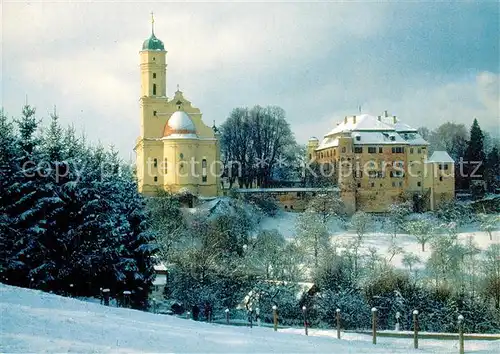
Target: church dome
{"points": [[153, 43], [179, 123]]}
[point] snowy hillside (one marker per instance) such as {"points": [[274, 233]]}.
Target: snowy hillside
{"points": [[33, 321], [379, 238]]}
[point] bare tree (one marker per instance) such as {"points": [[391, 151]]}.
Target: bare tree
{"points": [[256, 140], [423, 230]]}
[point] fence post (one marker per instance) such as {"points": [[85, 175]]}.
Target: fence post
{"points": [[154, 305], [415, 329], [126, 298], [257, 315], [304, 312], [338, 323], [461, 333], [250, 317], [105, 293], [275, 317], [71, 293], [374, 325], [398, 314], [227, 315], [188, 314]]}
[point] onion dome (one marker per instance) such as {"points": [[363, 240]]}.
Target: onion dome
{"points": [[179, 123], [153, 43]]}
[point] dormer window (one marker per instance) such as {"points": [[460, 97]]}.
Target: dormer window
{"points": [[358, 138]]}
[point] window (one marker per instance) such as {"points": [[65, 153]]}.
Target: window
{"points": [[154, 113], [358, 150], [203, 178], [310, 157], [286, 207], [343, 149], [154, 89], [441, 178], [445, 166], [334, 152], [419, 150], [411, 150], [155, 163], [419, 184], [372, 150], [165, 166], [358, 174], [154, 75], [372, 184], [398, 150], [358, 138], [359, 185], [401, 184], [156, 179], [154, 58], [372, 174], [204, 163], [394, 184], [291, 207], [380, 150], [440, 166]]}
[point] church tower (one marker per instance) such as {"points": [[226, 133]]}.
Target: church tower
{"points": [[175, 150]]}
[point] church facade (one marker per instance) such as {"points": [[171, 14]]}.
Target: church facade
{"points": [[175, 151]]}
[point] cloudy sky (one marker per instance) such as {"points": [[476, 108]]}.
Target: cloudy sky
{"points": [[425, 62]]}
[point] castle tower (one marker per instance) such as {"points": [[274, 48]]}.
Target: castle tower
{"points": [[347, 166], [312, 145]]}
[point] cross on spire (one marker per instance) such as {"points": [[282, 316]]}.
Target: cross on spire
{"points": [[152, 23]]}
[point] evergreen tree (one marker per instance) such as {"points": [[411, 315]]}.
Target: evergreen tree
{"points": [[492, 169], [475, 153]]}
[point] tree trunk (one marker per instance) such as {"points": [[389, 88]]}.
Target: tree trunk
{"points": [[423, 246]]}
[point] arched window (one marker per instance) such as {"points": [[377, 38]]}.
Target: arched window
{"points": [[154, 89], [155, 163], [204, 163], [165, 166]]}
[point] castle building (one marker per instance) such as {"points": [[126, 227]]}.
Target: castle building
{"points": [[175, 151], [378, 160]]}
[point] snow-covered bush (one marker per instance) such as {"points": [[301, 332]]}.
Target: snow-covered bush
{"points": [[355, 311]]}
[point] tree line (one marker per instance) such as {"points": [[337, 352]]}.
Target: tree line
{"points": [[71, 218]]}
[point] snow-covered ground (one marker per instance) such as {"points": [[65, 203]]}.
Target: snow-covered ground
{"points": [[33, 321], [380, 238]]}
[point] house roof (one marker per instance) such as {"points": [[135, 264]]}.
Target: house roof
{"points": [[440, 156], [359, 123]]}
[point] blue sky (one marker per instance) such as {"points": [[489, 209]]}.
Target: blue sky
{"points": [[425, 62]]}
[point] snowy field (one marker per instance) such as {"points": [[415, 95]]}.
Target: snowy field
{"points": [[380, 238], [33, 321]]}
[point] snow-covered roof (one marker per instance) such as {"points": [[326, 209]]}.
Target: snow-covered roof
{"points": [[363, 138], [440, 156], [374, 130], [359, 123], [328, 142], [413, 138], [160, 267]]}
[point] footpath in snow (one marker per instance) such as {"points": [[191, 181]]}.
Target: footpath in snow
{"points": [[33, 321]]}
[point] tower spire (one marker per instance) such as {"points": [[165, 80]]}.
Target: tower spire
{"points": [[152, 23]]}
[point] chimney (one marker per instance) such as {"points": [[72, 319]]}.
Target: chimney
{"points": [[394, 119], [385, 114], [345, 120], [379, 118], [353, 119]]}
